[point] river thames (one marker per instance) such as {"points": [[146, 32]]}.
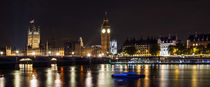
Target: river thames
{"points": [[158, 75]]}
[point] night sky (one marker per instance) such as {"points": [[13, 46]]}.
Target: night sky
{"points": [[68, 19]]}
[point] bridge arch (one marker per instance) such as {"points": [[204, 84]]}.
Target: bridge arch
{"points": [[54, 59]]}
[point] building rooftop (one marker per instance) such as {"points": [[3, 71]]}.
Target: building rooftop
{"points": [[199, 37]]}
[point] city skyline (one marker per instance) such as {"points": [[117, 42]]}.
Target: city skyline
{"points": [[104, 43], [72, 19]]}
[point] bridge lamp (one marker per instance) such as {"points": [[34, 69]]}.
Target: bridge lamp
{"points": [[99, 55], [88, 54], [33, 53], [57, 54], [72, 53]]}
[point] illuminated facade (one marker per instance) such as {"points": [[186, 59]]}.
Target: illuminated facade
{"points": [[105, 35], [8, 51], [198, 40], [113, 47], [33, 40], [143, 50], [56, 52], [142, 46], [165, 42]]}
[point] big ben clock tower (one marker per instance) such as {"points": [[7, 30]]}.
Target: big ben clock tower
{"points": [[105, 35]]}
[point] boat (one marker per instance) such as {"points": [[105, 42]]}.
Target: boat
{"points": [[127, 75]]}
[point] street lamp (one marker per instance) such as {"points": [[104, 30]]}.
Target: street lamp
{"points": [[1, 52]]}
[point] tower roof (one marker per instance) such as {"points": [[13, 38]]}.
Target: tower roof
{"points": [[106, 21]]}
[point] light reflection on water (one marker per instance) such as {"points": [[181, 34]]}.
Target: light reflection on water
{"points": [[2, 81], [100, 76]]}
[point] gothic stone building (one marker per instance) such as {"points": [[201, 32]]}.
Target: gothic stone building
{"points": [[198, 39], [33, 40]]}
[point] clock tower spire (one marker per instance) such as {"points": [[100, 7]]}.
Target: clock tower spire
{"points": [[105, 35]]}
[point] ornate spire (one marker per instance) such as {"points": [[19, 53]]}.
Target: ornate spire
{"points": [[106, 21], [106, 16]]}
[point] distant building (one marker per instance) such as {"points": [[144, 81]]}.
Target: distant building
{"points": [[105, 35], [198, 39], [72, 48], [56, 52], [143, 50], [33, 40], [8, 51], [96, 50], [113, 47], [165, 42], [142, 46]]}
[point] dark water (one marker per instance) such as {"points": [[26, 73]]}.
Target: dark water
{"points": [[100, 76]]}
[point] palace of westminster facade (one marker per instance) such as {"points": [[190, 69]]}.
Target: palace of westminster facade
{"points": [[75, 48]]}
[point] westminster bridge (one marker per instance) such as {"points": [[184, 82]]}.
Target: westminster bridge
{"points": [[48, 60], [6, 61]]}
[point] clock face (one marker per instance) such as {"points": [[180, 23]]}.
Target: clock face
{"points": [[108, 30], [103, 31]]}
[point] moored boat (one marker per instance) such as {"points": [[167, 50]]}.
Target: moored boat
{"points": [[127, 75]]}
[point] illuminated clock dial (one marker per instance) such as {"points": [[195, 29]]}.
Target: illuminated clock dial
{"points": [[103, 31], [108, 30]]}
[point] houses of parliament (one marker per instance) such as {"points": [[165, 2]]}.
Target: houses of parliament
{"points": [[34, 48]]}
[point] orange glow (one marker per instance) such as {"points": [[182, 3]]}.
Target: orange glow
{"points": [[62, 74], [81, 69], [82, 75]]}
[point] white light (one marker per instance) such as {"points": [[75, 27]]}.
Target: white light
{"points": [[33, 82], [49, 52], [57, 54], [33, 53], [1, 52], [103, 31], [17, 51], [88, 54], [72, 53], [99, 55], [108, 30]]}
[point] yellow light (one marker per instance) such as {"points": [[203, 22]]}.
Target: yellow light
{"points": [[72, 53], [108, 30], [103, 31]]}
